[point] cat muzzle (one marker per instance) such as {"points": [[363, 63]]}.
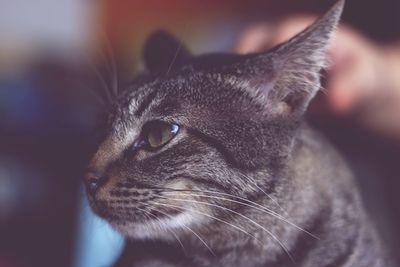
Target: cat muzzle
{"points": [[94, 180]]}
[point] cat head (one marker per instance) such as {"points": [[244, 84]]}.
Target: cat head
{"points": [[196, 129]]}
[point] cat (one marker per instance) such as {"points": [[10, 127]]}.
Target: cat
{"points": [[209, 158]]}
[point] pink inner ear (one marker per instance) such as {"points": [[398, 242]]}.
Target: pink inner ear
{"points": [[282, 108]]}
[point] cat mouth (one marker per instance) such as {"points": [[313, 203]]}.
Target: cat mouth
{"points": [[160, 227], [132, 214], [149, 221]]}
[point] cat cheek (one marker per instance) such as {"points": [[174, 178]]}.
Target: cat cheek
{"points": [[180, 184]]}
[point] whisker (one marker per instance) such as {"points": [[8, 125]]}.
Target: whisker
{"points": [[161, 222], [237, 197], [219, 193], [265, 193], [186, 227], [174, 58], [243, 216], [98, 98], [262, 208], [102, 81], [176, 53], [111, 58], [209, 216]]}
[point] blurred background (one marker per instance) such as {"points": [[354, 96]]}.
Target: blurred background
{"points": [[61, 60]]}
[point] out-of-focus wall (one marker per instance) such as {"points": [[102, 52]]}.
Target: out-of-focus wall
{"points": [[29, 29]]}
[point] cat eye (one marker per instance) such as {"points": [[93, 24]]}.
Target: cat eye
{"points": [[158, 133]]}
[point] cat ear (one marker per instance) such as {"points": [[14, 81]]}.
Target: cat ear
{"points": [[162, 52], [288, 77]]}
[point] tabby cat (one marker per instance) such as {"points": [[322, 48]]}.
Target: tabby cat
{"points": [[208, 159]]}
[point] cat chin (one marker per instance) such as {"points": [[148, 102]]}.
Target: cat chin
{"points": [[164, 228]]}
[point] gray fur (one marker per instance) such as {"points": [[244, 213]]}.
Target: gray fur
{"points": [[242, 137]]}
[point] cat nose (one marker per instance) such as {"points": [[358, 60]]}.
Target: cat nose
{"points": [[93, 180]]}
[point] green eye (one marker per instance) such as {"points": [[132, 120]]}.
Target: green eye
{"points": [[158, 133]]}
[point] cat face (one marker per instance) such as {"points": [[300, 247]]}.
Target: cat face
{"points": [[199, 130]]}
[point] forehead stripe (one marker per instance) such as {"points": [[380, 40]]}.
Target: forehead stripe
{"points": [[146, 102]]}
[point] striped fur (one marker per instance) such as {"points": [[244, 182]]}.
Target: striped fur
{"points": [[245, 182]]}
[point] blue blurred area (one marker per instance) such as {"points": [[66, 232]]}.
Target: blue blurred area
{"points": [[98, 244], [48, 132]]}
